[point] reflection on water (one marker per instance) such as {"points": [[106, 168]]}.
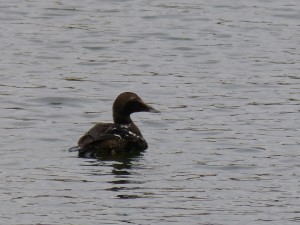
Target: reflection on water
{"points": [[225, 149], [120, 166], [119, 162]]}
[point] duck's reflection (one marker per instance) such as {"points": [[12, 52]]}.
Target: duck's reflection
{"points": [[121, 179], [119, 162], [123, 160]]}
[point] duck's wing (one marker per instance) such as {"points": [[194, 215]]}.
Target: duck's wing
{"points": [[86, 142], [107, 138], [95, 133], [127, 132]]}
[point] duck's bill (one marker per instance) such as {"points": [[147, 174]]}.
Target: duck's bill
{"points": [[151, 109]]}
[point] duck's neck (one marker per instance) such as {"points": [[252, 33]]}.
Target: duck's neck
{"points": [[127, 120], [121, 119]]}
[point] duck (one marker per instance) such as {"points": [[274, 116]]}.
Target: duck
{"points": [[118, 137]]}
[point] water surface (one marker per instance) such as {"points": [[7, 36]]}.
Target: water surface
{"points": [[224, 150]]}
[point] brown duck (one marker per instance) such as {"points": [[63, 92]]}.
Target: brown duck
{"points": [[118, 137]]}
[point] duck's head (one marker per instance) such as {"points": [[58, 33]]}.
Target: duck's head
{"points": [[127, 103]]}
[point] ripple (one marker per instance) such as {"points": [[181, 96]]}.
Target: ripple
{"points": [[224, 148]]}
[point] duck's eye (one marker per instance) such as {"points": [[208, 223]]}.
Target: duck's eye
{"points": [[134, 105]]}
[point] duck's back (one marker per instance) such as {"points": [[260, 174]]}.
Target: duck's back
{"points": [[95, 133], [109, 138]]}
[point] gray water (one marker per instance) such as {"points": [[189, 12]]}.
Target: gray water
{"points": [[224, 74]]}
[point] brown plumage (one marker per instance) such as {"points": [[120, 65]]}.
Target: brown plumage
{"points": [[120, 136]]}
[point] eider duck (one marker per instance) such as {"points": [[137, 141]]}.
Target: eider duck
{"points": [[118, 137]]}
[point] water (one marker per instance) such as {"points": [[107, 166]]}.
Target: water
{"points": [[225, 74]]}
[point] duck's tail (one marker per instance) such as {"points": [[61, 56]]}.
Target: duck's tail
{"points": [[75, 149]]}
